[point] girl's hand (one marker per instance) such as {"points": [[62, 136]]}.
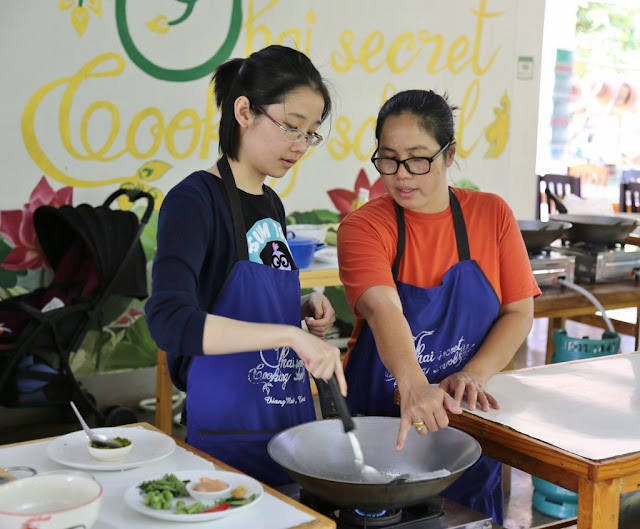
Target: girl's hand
{"points": [[320, 358], [469, 384], [318, 314]]}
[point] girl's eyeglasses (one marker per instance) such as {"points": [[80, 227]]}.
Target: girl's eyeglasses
{"points": [[295, 135], [416, 165]]}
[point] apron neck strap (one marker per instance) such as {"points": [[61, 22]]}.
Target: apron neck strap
{"points": [[459, 227], [239, 229]]}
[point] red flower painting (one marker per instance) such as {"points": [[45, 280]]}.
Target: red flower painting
{"points": [[345, 200], [17, 229]]}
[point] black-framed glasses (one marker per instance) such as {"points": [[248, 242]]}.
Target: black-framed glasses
{"points": [[415, 165], [295, 135]]}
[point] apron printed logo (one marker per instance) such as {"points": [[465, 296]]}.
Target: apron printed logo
{"points": [[421, 347], [284, 368], [455, 355], [435, 363]]}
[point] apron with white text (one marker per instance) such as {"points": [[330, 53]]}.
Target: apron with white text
{"points": [[449, 323], [237, 402]]}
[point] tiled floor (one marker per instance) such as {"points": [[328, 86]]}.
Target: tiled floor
{"points": [[20, 425]]}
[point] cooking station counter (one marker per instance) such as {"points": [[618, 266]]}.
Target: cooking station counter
{"points": [[559, 304]]}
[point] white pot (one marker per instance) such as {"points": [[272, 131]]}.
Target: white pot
{"points": [[55, 500]]}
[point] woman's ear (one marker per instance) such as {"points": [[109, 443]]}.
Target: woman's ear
{"points": [[451, 154], [242, 111]]}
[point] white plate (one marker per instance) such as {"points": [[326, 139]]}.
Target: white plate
{"points": [[148, 446], [327, 255], [135, 500]]}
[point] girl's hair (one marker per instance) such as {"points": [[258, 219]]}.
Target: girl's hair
{"points": [[265, 78], [432, 111]]}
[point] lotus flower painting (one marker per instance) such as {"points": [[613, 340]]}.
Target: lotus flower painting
{"points": [[17, 229], [345, 200]]}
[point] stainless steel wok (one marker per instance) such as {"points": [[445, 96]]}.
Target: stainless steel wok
{"points": [[319, 457], [597, 229], [538, 234]]}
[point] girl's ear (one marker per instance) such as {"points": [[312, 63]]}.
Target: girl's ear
{"points": [[242, 111]]}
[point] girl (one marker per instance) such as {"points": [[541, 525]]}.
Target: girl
{"points": [[224, 281]]}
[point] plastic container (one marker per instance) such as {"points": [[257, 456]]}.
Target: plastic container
{"points": [[553, 500], [568, 348]]}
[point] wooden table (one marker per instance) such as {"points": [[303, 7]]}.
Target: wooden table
{"points": [[598, 483], [319, 522]]}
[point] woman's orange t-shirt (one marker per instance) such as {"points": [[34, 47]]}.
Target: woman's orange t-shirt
{"points": [[367, 240]]}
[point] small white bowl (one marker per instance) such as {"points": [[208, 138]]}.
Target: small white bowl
{"points": [[109, 454], [208, 497], [58, 500], [318, 232]]}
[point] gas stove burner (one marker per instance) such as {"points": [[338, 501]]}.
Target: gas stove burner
{"points": [[435, 512], [595, 264], [362, 518]]}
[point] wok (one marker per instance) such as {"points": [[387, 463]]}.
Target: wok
{"points": [[319, 457], [538, 234], [597, 229]]}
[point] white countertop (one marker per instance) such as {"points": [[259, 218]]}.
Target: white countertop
{"points": [[269, 513], [588, 407]]}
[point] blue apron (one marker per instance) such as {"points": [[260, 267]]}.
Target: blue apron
{"points": [[449, 323], [237, 402]]}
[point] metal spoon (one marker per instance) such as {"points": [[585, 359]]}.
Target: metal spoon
{"points": [[368, 473], [403, 478], [95, 437]]}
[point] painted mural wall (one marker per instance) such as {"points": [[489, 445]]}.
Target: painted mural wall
{"points": [[106, 94]]}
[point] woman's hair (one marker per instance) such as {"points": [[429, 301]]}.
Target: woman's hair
{"points": [[432, 111], [265, 78]]}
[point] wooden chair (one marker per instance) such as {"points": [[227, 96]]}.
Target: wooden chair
{"points": [[590, 173], [559, 184], [629, 197], [164, 395]]}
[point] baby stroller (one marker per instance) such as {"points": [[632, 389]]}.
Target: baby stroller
{"points": [[95, 252]]}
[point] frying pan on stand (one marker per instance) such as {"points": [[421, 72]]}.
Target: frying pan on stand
{"points": [[593, 229], [538, 234]]}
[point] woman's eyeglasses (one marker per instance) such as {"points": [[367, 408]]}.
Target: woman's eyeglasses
{"points": [[295, 135], [416, 165]]}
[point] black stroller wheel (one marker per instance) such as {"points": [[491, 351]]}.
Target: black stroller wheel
{"points": [[119, 415]]}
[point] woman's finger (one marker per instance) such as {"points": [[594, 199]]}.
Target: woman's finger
{"points": [[405, 424]]}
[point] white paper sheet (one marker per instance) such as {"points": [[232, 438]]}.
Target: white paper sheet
{"points": [[269, 513], [590, 408]]}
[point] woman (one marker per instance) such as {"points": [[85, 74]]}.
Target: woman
{"points": [[224, 281], [445, 294]]}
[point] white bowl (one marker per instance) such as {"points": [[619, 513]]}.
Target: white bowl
{"points": [[317, 232], [208, 497], [109, 454], [55, 500]]}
